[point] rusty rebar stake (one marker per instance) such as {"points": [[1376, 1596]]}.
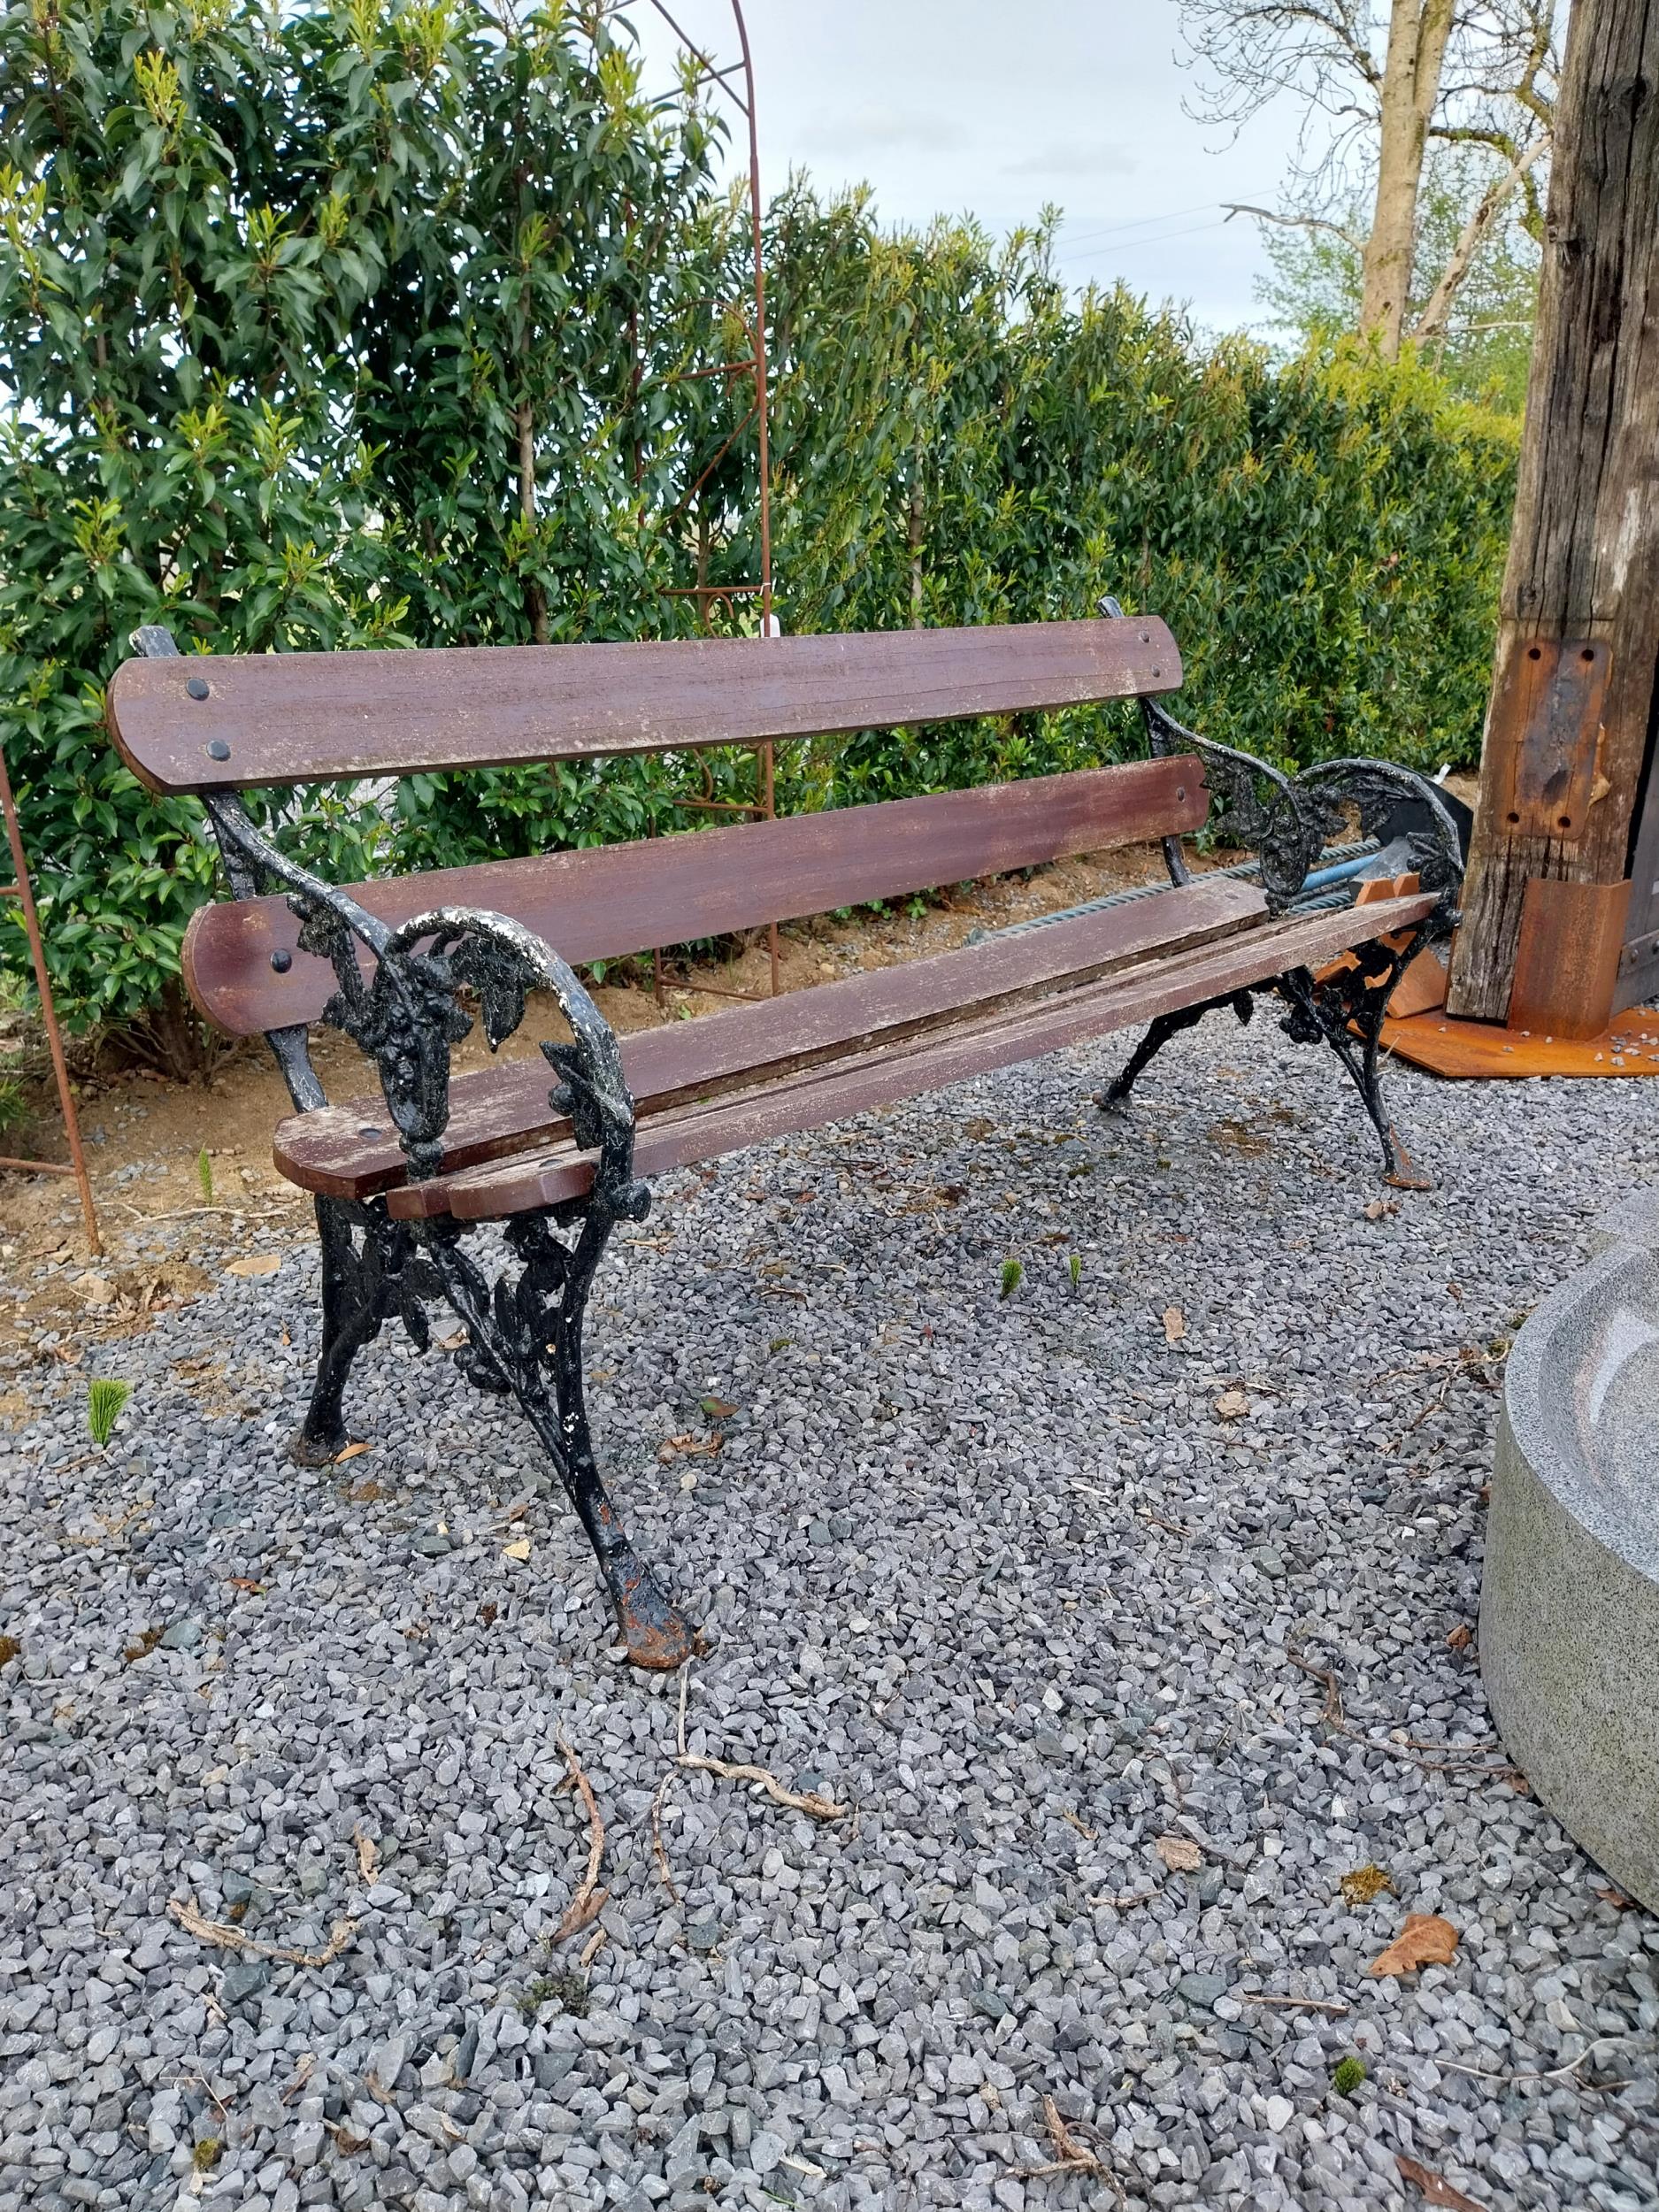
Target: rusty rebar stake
{"points": [[21, 890]]}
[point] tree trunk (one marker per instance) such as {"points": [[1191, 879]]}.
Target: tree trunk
{"points": [[1569, 729], [1418, 31], [916, 525], [535, 597]]}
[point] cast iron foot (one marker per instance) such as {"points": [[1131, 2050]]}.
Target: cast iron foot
{"points": [[655, 1632], [1401, 1172], [317, 1451]]}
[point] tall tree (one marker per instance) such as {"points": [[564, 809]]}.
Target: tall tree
{"points": [[1380, 81]]}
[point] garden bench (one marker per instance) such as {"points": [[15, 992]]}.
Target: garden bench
{"points": [[401, 1177]]}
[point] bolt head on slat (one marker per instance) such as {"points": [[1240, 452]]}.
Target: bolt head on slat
{"points": [[197, 687], [219, 749]]}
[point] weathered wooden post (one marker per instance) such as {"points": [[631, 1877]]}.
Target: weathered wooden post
{"points": [[1562, 907]]}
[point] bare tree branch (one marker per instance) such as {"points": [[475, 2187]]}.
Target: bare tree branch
{"points": [[1296, 222], [1432, 322]]}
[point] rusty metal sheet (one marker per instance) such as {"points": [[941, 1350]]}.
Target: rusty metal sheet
{"points": [[1550, 702]]}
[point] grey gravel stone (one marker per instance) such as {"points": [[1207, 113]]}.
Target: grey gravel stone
{"points": [[245, 1979], [1057, 1617]]}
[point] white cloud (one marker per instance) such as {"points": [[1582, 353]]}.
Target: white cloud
{"points": [[1073, 160], [881, 129]]}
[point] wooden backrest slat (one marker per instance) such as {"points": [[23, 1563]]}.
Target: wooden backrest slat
{"points": [[288, 718], [610, 899]]}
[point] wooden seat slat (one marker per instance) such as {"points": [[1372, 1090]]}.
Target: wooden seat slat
{"points": [[288, 718], [889, 1073], [608, 900], [497, 1111]]}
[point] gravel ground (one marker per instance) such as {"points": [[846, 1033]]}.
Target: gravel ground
{"points": [[1022, 1581]]}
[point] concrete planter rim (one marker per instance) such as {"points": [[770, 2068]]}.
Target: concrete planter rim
{"points": [[1542, 1414]]}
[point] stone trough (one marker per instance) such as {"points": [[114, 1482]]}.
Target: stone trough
{"points": [[1569, 1604]]}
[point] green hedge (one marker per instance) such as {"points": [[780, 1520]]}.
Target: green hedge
{"points": [[286, 299]]}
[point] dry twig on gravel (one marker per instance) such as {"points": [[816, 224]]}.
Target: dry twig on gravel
{"points": [[659, 1850], [1071, 2154], [1296, 2004], [589, 1900], [1408, 1750], [813, 1802], [234, 1939]]}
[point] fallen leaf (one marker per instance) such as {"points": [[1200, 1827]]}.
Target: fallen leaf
{"points": [[1461, 1637], [1365, 1883], [1616, 1899], [1425, 1940], [364, 1492], [718, 1408], [243, 1582], [521, 1549], [351, 1452], [1435, 2187], [368, 1856], [1174, 1325], [1231, 1405], [1179, 1853], [673, 1447], [258, 1264], [1379, 1207], [453, 1343]]}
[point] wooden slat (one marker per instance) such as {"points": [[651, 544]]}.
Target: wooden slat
{"points": [[610, 899], [888, 1074], [347, 1151], [286, 717]]}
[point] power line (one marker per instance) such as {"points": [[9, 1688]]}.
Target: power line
{"points": [[1140, 222], [1129, 245]]}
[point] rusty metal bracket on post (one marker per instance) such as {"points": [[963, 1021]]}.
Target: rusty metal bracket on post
{"points": [[20, 889]]}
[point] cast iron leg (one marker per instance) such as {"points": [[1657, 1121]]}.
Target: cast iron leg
{"points": [[1114, 1097], [350, 1320], [654, 1631], [518, 1336], [1327, 1014]]}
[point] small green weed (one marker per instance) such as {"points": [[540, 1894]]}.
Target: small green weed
{"points": [[205, 1176], [14, 1107], [105, 1398], [1074, 1269], [1013, 1275], [1347, 2075], [568, 1990]]}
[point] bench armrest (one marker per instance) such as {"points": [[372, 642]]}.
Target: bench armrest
{"points": [[1287, 821], [406, 1014]]}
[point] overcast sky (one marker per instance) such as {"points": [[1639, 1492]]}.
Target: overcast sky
{"points": [[994, 107]]}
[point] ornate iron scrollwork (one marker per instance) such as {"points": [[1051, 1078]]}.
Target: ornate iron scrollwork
{"points": [[1287, 821], [524, 1331]]}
